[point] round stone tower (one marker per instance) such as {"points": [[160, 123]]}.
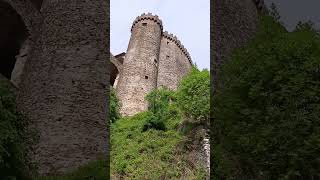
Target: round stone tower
{"points": [[140, 64]]}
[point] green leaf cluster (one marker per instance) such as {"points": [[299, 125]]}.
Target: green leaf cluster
{"points": [[12, 134], [162, 107], [150, 144], [267, 107], [193, 95], [114, 113]]}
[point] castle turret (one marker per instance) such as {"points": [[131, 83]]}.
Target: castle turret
{"points": [[139, 74]]}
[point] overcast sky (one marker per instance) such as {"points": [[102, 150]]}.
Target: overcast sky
{"points": [[189, 20], [293, 11]]}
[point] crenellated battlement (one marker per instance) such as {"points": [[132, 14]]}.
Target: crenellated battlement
{"points": [[148, 16], [175, 40]]}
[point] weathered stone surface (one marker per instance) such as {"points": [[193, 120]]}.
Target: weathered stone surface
{"points": [[64, 85], [233, 23], [21, 59], [139, 67], [174, 62]]}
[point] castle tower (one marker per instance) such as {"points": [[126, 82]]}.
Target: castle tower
{"points": [[63, 90], [174, 62], [139, 74]]}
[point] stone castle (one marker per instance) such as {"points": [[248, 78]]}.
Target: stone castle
{"points": [[154, 58], [56, 55]]}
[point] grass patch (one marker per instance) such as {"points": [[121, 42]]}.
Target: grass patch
{"points": [[151, 154]]}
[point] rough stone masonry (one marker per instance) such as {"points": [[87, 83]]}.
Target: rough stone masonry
{"points": [[59, 54], [154, 58]]}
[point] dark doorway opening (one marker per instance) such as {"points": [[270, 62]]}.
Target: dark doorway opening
{"points": [[13, 33]]}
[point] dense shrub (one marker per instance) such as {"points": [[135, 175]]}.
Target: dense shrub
{"points": [[193, 95], [161, 108], [267, 107], [114, 106], [12, 133], [149, 145]]}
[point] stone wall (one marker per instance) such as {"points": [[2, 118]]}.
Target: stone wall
{"points": [[174, 62], [167, 69], [233, 24], [154, 58], [139, 75], [64, 85]]}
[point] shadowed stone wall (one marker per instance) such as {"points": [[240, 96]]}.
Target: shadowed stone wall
{"points": [[65, 83], [233, 23]]}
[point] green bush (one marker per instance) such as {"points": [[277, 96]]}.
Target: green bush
{"points": [[114, 106], [267, 107], [146, 146], [12, 134], [159, 109], [150, 144], [138, 154], [193, 95]]}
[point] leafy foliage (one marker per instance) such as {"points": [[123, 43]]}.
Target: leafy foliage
{"points": [[93, 170], [114, 106], [145, 146], [161, 108], [274, 12], [267, 107], [12, 133], [193, 95], [305, 26]]}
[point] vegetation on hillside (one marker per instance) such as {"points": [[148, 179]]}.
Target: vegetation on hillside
{"points": [[267, 107], [150, 145]]}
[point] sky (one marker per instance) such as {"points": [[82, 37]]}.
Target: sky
{"points": [[293, 11], [189, 20]]}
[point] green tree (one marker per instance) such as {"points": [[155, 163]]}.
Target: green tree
{"points": [[193, 95], [161, 108], [267, 113], [305, 26], [273, 12]]}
